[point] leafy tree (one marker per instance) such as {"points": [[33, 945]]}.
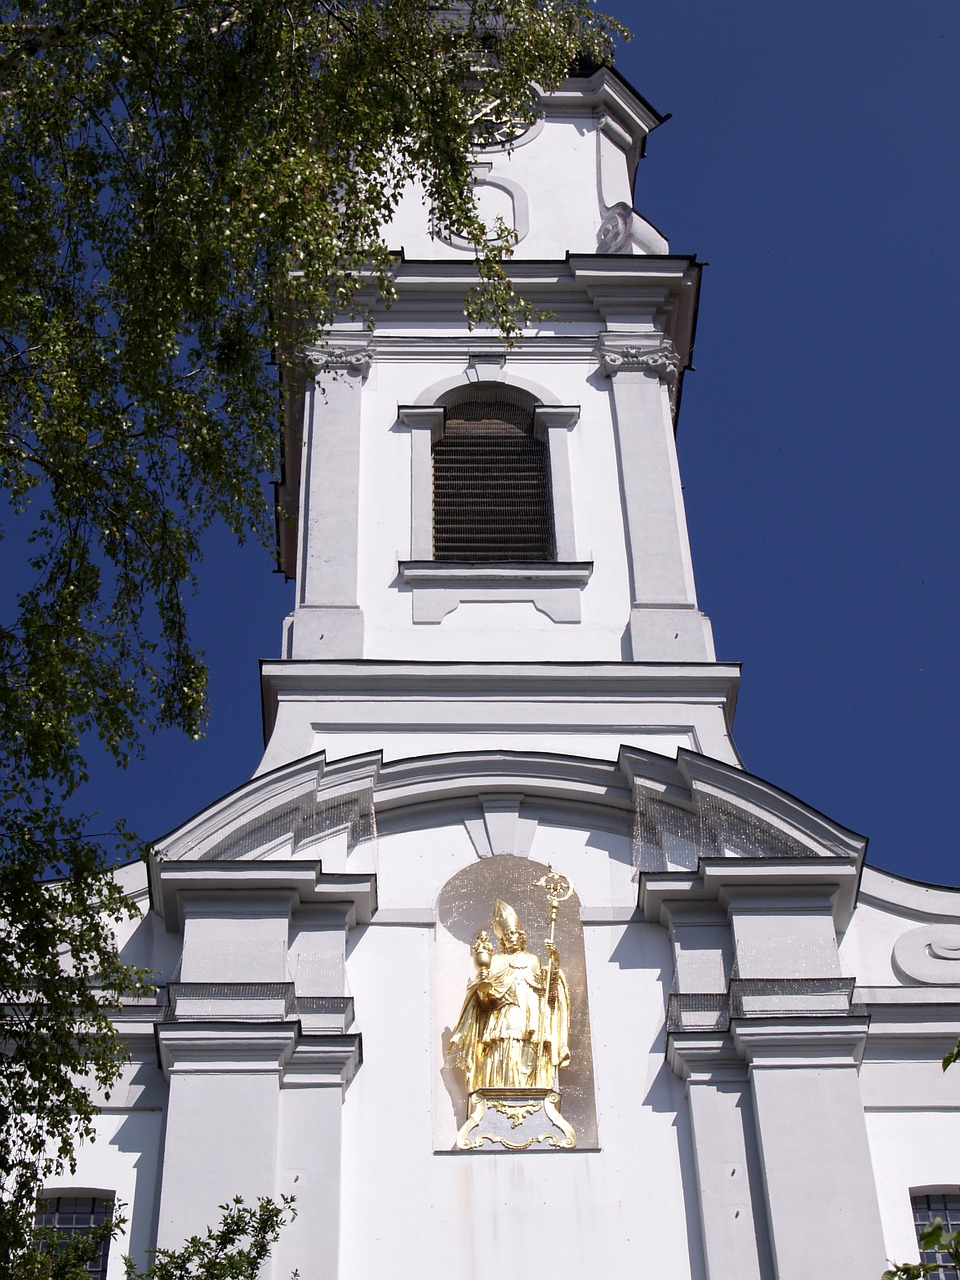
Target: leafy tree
{"points": [[235, 1249], [68, 1255], [185, 187], [934, 1237]]}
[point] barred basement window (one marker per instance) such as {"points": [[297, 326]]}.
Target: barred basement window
{"points": [[937, 1204], [72, 1216], [492, 496]]}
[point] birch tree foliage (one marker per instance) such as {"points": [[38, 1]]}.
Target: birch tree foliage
{"points": [[186, 187]]}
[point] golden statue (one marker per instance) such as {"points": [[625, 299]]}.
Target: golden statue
{"points": [[514, 1025], [512, 1036]]}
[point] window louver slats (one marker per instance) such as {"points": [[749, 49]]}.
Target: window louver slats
{"points": [[491, 484]]}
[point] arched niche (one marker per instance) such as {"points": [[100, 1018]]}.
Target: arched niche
{"points": [[464, 906]]}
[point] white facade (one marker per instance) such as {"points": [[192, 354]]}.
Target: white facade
{"points": [[758, 1020]]}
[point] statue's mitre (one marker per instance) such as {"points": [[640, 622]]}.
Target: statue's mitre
{"points": [[505, 919]]}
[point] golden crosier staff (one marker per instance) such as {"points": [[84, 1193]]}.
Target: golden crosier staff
{"points": [[558, 889]]}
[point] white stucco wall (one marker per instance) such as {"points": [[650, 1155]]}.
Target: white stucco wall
{"points": [[912, 1149], [630, 1201], [563, 153], [124, 1158]]}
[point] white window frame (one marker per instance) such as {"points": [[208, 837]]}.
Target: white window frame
{"points": [[438, 587]]}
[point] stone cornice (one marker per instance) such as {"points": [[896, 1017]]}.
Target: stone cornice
{"points": [[705, 1058], [652, 295], [323, 1060], [304, 880], [225, 1047], [721, 803], [609, 91], [811, 1042], [666, 696], [923, 902], [583, 680], [718, 879], [756, 796], [304, 778], [280, 1049]]}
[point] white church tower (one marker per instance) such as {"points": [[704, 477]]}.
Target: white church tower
{"points": [[502, 959]]}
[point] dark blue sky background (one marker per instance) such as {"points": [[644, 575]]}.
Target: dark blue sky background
{"points": [[811, 160]]}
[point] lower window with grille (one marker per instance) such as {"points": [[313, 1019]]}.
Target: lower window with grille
{"points": [[70, 1217], [944, 1205]]}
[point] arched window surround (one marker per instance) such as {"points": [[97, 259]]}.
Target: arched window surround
{"points": [[553, 587]]}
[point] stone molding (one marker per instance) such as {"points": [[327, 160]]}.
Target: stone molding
{"points": [[304, 880], [787, 879], [705, 1059], [701, 1012], [256, 1002], [323, 1060], [280, 1049], [229, 1001], [225, 1047], [439, 587], [782, 1042]]}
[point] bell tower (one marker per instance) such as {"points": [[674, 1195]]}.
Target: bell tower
{"points": [[452, 499], [502, 956]]}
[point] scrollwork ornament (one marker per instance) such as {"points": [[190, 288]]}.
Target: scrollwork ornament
{"points": [[350, 359], [661, 361], [930, 955]]}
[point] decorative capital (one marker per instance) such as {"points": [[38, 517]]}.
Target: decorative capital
{"points": [[353, 358], [662, 361]]}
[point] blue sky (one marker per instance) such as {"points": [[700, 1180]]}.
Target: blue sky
{"points": [[811, 160]]}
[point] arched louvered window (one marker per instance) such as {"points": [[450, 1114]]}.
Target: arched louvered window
{"points": [[492, 499]]}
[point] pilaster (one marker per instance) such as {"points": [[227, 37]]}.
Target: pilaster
{"points": [[222, 1119], [817, 1172], [327, 621], [309, 1156], [665, 623], [733, 1220]]}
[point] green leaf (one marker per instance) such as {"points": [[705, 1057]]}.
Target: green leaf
{"points": [[190, 196]]}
